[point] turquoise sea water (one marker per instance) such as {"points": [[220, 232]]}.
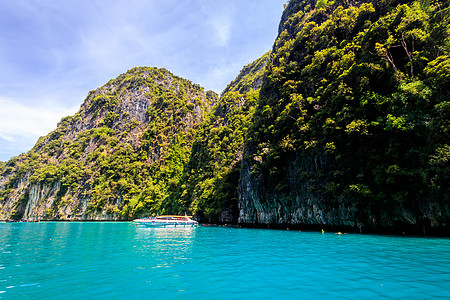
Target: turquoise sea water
{"points": [[122, 261]]}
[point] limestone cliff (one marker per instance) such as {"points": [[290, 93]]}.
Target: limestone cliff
{"points": [[210, 180], [349, 131], [100, 163]]}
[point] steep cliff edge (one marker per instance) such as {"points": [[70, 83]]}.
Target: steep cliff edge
{"points": [[351, 128], [115, 158], [210, 180]]}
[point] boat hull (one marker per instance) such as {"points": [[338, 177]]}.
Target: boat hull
{"points": [[165, 224], [167, 221]]}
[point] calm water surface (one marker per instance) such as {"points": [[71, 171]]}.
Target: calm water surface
{"points": [[122, 261]]}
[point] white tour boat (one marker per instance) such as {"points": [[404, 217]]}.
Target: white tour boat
{"points": [[167, 221]]}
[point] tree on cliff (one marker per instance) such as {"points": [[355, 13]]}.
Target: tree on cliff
{"points": [[363, 87]]}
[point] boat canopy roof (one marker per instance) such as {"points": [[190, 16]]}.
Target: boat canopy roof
{"points": [[173, 216]]}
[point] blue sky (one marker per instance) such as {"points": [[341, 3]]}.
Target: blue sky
{"points": [[52, 53]]}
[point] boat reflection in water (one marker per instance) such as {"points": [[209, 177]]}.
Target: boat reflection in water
{"points": [[167, 221]]}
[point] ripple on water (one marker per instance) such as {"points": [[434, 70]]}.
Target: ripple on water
{"points": [[115, 260]]}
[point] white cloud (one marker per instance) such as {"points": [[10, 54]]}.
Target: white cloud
{"points": [[222, 28], [220, 18], [18, 121]]}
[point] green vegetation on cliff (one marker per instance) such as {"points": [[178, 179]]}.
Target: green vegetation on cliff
{"points": [[209, 185], [364, 87], [119, 155]]}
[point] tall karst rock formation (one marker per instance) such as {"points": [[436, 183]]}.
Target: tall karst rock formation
{"points": [[117, 157], [352, 125]]}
